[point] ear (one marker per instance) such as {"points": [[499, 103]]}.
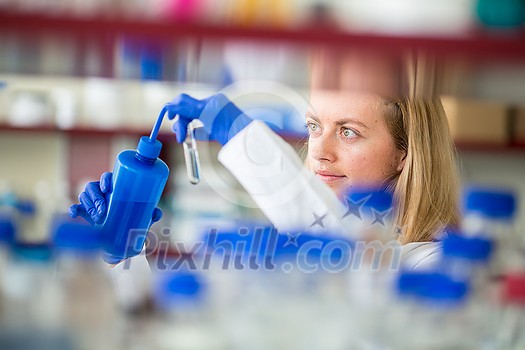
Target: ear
{"points": [[402, 159]]}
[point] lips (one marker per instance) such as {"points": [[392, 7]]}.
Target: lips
{"points": [[328, 176]]}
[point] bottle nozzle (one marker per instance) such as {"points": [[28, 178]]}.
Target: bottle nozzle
{"points": [[156, 127], [149, 148]]}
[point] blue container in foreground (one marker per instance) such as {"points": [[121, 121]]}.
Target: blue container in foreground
{"points": [[138, 180]]}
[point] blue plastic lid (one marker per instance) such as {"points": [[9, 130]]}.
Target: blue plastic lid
{"points": [[490, 202], [441, 288], [32, 252], [26, 207], [380, 200], [408, 282], [183, 284], [501, 14], [431, 286], [7, 229], [178, 287], [148, 148], [9, 199], [76, 235], [471, 248]]}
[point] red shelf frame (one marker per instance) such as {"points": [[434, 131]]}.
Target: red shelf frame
{"points": [[168, 137], [87, 131], [480, 45]]}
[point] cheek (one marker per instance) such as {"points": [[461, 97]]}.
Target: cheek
{"points": [[369, 163], [308, 156]]}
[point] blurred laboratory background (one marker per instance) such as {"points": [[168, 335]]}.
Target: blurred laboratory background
{"points": [[80, 81]]}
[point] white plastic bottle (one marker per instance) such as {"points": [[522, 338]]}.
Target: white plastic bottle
{"points": [[375, 262], [434, 313], [489, 213], [87, 309], [511, 320], [30, 300], [184, 316]]}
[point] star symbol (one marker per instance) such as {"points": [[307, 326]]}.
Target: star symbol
{"points": [[318, 220], [379, 217], [399, 230], [354, 208], [292, 239]]}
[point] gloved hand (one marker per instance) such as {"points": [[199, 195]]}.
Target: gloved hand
{"points": [[93, 202], [221, 118]]}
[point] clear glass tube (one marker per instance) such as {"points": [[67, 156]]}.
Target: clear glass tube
{"points": [[191, 155]]}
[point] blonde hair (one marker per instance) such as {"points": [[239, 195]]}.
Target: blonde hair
{"points": [[426, 190]]}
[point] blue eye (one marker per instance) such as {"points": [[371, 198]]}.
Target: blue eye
{"points": [[312, 127], [349, 133]]}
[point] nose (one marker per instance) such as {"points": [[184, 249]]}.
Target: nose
{"points": [[323, 148]]}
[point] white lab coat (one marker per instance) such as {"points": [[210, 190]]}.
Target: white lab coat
{"points": [[270, 170]]}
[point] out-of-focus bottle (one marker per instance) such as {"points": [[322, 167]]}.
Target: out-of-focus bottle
{"points": [[138, 180], [511, 321], [371, 213], [489, 213], [16, 212], [274, 281], [501, 14], [438, 311], [185, 319], [375, 262], [271, 13], [7, 236], [87, 309], [31, 299], [466, 258]]}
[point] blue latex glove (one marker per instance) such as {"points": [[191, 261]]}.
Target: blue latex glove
{"points": [[93, 202], [221, 118]]}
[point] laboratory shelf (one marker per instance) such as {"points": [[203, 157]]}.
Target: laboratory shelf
{"points": [[476, 45], [163, 136], [490, 148], [297, 140]]}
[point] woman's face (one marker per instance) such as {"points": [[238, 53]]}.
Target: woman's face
{"points": [[350, 143]]}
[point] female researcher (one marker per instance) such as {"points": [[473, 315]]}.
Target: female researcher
{"points": [[355, 139]]}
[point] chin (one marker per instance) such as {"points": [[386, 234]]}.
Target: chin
{"points": [[340, 190]]}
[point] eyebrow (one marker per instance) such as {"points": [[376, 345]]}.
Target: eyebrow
{"points": [[339, 122]]}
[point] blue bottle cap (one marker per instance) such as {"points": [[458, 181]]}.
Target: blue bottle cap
{"points": [[471, 248], [409, 282], [440, 288], [175, 288], [379, 200], [148, 148], [431, 286], [32, 252], [26, 207], [75, 235], [7, 229], [490, 202]]}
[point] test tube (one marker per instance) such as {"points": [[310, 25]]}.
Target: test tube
{"points": [[191, 155]]}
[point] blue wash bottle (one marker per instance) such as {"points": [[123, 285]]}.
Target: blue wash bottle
{"points": [[138, 181]]}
